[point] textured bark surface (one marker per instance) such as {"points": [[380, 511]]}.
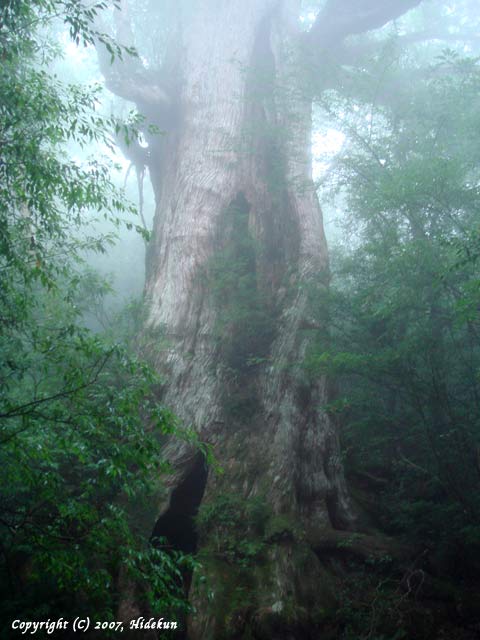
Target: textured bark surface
{"points": [[242, 141], [232, 179], [240, 118]]}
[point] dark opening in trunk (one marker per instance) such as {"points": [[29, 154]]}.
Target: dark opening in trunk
{"points": [[177, 524]]}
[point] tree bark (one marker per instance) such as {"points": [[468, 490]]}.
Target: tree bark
{"points": [[238, 251], [241, 148]]}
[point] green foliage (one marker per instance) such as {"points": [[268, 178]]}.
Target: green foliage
{"points": [[234, 527], [80, 429], [244, 324], [404, 307], [381, 613]]}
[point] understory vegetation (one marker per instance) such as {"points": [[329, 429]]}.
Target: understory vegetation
{"points": [[404, 344], [80, 428]]}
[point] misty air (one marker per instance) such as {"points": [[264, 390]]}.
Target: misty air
{"points": [[240, 319]]}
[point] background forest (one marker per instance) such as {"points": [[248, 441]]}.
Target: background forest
{"points": [[82, 428]]}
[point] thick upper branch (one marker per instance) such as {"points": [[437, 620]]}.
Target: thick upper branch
{"points": [[131, 82], [125, 74], [350, 54], [342, 18]]}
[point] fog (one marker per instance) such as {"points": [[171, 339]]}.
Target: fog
{"points": [[239, 319]]}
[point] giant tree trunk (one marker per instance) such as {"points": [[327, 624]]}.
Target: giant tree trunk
{"points": [[238, 251], [236, 205]]}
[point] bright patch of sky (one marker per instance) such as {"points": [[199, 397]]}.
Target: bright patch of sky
{"points": [[325, 144], [309, 17], [73, 53], [82, 62]]}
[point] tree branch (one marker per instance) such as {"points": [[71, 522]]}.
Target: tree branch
{"points": [[125, 75], [342, 18], [350, 54], [29, 407]]}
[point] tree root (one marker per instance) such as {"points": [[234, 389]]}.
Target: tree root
{"points": [[363, 546]]}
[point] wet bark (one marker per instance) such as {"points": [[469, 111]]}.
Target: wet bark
{"points": [[235, 171]]}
